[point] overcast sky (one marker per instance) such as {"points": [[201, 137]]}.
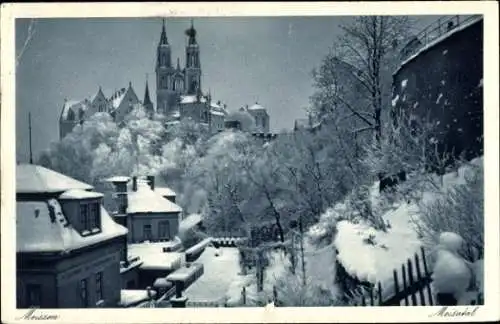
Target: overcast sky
{"points": [[244, 60]]}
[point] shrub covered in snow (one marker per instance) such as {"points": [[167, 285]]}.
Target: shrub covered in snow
{"points": [[459, 209]]}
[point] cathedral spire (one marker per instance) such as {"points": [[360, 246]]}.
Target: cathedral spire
{"points": [[148, 105], [191, 32], [178, 65], [163, 38]]}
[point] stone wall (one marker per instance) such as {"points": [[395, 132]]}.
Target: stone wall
{"points": [[444, 82]]}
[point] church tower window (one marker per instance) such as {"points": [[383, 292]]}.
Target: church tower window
{"points": [[71, 115]]}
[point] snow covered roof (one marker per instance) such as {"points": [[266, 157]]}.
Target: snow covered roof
{"points": [[41, 226], [130, 297], [221, 268], [215, 105], [165, 192], [185, 273], [216, 113], [74, 105], [256, 106], [31, 178], [162, 283], [190, 221], [117, 97], [153, 257], [80, 194], [145, 200], [93, 98], [118, 179], [191, 99]]}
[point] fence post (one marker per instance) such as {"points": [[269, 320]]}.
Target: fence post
{"points": [[419, 278], [244, 295], [426, 274], [396, 283], [411, 282], [405, 285], [372, 301], [379, 294]]}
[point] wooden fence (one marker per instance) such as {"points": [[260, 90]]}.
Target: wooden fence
{"points": [[411, 286]]}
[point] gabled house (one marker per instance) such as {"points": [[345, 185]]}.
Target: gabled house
{"points": [[69, 250], [149, 213]]}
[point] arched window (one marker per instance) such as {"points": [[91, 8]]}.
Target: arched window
{"points": [[71, 115]]}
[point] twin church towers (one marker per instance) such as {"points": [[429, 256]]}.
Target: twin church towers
{"points": [[172, 82]]}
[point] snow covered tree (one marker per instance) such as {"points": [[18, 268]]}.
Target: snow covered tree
{"points": [[74, 154]]}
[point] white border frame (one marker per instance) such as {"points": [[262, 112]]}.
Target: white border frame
{"points": [[490, 311]]}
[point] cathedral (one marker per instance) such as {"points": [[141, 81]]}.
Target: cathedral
{"points": [[179, 95], [179, 92]]}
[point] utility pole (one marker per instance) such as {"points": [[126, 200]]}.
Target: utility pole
{"points": [[29, 127]]}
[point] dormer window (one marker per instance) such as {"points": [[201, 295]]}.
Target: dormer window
{"points": [[90, 217]]}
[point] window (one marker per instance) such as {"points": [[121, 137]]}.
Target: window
{"points": [[84, 216], [84, 296], [33, 295], [98, 286], [147, 232], [164, 230], [95, 218], [71, 115]]}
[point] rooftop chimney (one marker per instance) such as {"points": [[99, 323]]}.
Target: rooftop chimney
{"points": [[134, 183], [151, 181]]}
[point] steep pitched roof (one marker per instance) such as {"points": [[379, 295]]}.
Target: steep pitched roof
{"points": [[41, 226], [117, 97], [147, 100], [99, 93], [32, 178], [74, 105]]}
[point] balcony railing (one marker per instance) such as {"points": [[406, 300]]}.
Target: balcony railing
{"points": [[440, 27]]}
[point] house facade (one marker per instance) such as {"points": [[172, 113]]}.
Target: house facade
{"points": [[149, 213], [70, 252]]}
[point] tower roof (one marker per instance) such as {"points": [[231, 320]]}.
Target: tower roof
{"points": [[163, 37], [147, 99], [191, 33]]}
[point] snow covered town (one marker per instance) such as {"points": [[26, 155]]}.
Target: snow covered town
{"points": [[373, 198]]}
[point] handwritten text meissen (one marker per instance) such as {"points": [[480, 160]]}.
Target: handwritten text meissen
{"points": [[36, 314]]}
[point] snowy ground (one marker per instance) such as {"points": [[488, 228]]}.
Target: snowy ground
{"points": [[219, 272]]}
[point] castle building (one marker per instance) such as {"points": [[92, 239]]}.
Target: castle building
{"points": [[118, 105], [179, 95]]}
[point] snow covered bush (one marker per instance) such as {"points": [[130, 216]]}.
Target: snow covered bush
{"points": [[291, 292], [190, 237], [460, 209]]}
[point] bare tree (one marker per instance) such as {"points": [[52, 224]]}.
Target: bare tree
{"points": [[359, 71]]}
